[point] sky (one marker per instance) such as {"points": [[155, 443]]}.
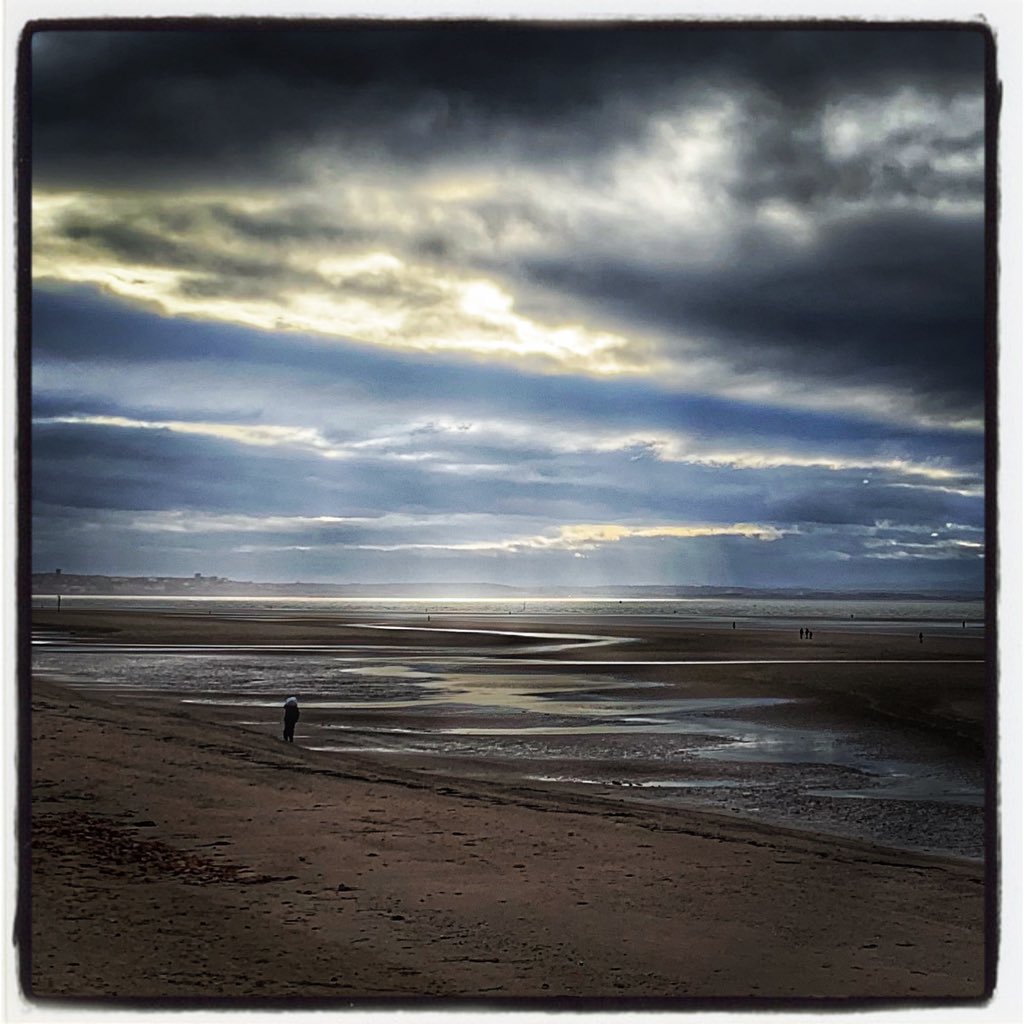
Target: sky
{"points": [[535, 306]]}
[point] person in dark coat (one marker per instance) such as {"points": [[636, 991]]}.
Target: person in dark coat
{"points": [[291, 716]]}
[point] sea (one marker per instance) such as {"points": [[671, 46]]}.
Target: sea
{"points": [[768, 609]]}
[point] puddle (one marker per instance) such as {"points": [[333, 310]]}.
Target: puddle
{"points": [[525, 693], [363, 728], [650, 783], [371, 750], [670, 728], [388, 672]]}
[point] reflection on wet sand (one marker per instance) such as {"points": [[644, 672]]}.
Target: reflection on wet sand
{"points": [[743, 723]]}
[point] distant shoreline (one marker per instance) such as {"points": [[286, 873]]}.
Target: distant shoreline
{"points": [[97, 585]]}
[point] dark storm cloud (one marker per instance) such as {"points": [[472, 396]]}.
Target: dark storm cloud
{"points": [[773, 167], [894, 299], [222, 105]]}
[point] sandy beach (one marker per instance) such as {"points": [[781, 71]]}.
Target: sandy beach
{"points": [[177, 853]]}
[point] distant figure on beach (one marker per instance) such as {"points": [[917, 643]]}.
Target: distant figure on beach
{"points": [[291, 716], [734, 625], [801, 632], [920, 638]]}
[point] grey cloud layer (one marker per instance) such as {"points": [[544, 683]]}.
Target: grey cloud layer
{"points": [[636, 304], [744, 210]]}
